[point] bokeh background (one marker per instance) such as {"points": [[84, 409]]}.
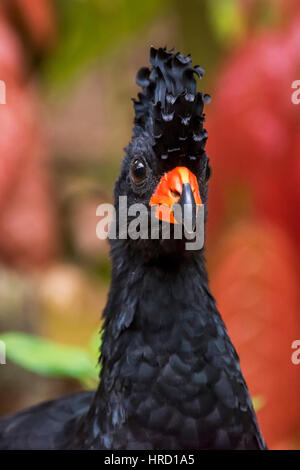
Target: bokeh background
{"points": [[69, 68]]}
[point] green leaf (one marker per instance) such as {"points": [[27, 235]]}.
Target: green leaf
{"points": [[91, 29], [49, 358], [227, 20], [94, 345]]}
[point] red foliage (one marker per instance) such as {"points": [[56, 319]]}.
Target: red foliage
{"points": [[254, 143], [254, 128], [27, 219], [257, 295], [11, 60], [38, 17]]}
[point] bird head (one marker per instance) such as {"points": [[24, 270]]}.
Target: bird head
{"points": [[166, 167]]}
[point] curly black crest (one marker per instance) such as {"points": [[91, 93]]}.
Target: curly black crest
{"points": [[169, 105]]}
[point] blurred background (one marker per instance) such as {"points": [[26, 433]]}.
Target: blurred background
{"points": [[69, 67]]}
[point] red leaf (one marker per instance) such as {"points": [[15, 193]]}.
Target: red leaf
{"points": [[255, 284]]}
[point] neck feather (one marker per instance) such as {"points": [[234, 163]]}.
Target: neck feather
{"points": [[164, 349]]}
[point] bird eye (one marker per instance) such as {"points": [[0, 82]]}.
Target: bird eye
{"points": [[138, 171]]}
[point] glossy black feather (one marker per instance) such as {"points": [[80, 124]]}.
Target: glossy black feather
{"points": [[50, 425], [171, 377], [170, 107]]}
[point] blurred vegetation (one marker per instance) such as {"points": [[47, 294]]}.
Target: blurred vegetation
{"points": [[52, 359], [93, 29]]}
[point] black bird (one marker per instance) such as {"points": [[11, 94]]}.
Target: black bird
{"points": [[170, 375]]}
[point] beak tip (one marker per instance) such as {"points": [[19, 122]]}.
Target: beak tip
{"points": [[188, 209]]}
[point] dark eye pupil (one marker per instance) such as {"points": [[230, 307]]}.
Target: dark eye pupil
{"points": [[138, 171]]}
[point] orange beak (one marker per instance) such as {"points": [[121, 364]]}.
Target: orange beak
{"points": [[177, 187]]}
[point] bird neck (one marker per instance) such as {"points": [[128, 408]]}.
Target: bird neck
{"points": [[164, 350], [156, 314], [153, 297]]}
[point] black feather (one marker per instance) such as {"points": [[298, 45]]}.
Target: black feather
{"points": [[169, 106]]}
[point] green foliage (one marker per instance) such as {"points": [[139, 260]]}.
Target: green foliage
{"points": [[231, 24], [227, 20], [90, 29], [48, 358]]}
